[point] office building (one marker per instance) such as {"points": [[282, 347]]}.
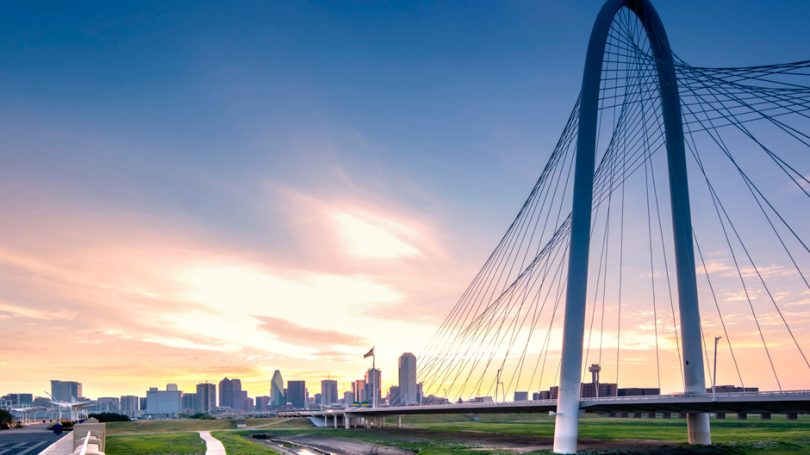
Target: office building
{"points": [[373, 380], [163, 402], [230, 394], [589, 390], [108, 404], [348, 398], [394, 397], [297, 394], [277, 396], [206, 398], [408, 393], [329, 392], [66, 390], [189, 403], [521, 396], [263, 403], [142, 403], [359, 390], [19, 399], [129, 405]]}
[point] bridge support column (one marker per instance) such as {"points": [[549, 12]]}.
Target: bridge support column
{"points": [[719, 415], [347, 422], [792, 416], [765, 416], [399, 421], [742, 415]]}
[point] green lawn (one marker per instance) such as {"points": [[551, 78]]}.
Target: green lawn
{"points": [[237, 444], [177, 425], [156, 444], [462, 434]]}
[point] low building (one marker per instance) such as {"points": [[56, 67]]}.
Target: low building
{"points": [[129, 405], [108, 404], [732, 389], [638, 391]]}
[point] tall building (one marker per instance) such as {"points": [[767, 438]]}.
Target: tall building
{"points": [[206, 397], [262, 403], [66, 390], [189, 403], [163, 402], [372, 387], [394, 398], [226, 393], [408, 393], [359, 390], [348, 398], [129, 405], [297, 394], [277, 397], [329, 392]]}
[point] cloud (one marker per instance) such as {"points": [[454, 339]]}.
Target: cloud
{"points": [[298, 334]]}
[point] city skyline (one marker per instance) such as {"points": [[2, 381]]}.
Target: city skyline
{"points": [[186, 207]]}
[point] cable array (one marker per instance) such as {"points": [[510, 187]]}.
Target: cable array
{"points": [[747, 148]]}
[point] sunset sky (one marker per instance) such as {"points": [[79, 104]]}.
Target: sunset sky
{"points": [[197, 190]]}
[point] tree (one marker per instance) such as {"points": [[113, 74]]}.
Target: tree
{"points": [[5, 418]]}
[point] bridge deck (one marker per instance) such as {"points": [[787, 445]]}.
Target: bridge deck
{"points": [[754, 402]]}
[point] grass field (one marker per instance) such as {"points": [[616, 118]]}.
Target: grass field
{"points": [[460, 434], [236, 444], [163, 444]]}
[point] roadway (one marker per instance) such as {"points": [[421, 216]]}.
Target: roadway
{"points": [[26, 441], [792, 402]]}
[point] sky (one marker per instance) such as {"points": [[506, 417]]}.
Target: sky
{"points": [[192, 190]]}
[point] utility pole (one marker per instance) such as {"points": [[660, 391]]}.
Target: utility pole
{"points": [[714, 374], [497, 383]]}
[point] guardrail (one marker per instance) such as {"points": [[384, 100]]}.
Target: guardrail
{"points": [[93, 441], [472, 405]]}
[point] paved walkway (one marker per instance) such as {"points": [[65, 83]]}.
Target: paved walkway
{"points": [[212, 444]]}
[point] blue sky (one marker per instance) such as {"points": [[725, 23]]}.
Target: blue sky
{"points": [[208, 122]]}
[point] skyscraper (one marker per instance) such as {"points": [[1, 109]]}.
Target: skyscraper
{"points": [[262, 403], [66, 390], [372, 387], [277, 398], [206, 397], [407, 380], [359, 390], [297, 394], [226, 393], [329, 392]]}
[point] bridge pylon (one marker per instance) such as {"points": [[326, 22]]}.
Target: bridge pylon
{"points": [[567, 417]]}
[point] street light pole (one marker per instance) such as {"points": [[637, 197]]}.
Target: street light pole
{"points": [[497, 383], [714, 374]]}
